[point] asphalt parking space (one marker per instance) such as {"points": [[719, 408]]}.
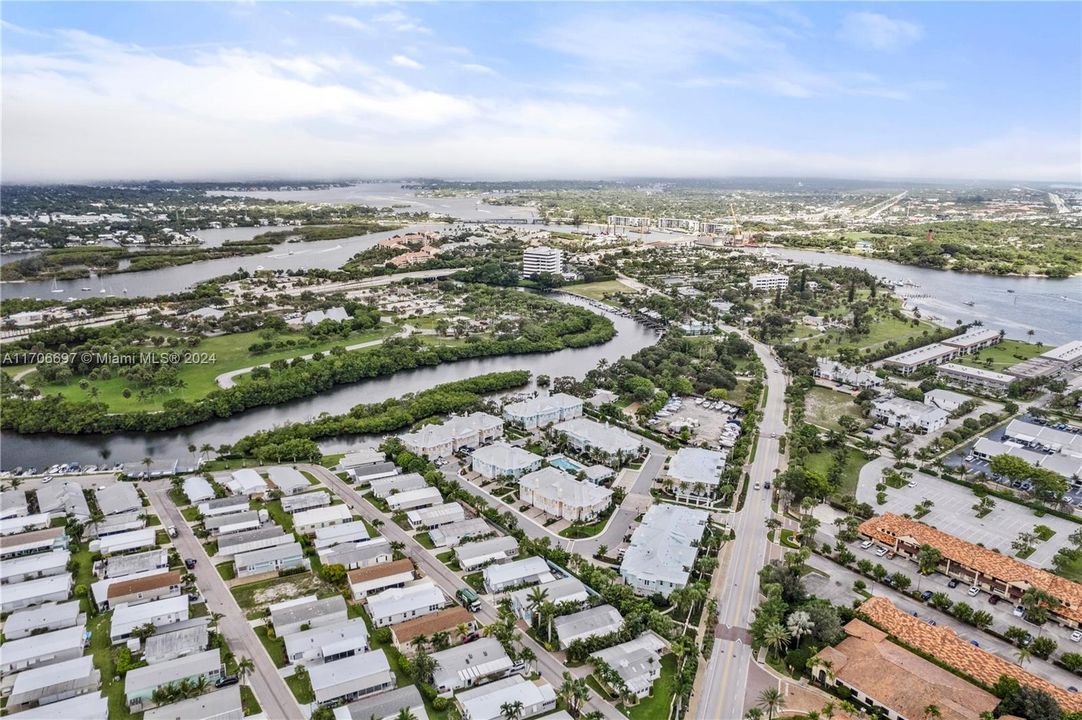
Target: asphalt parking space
{"points": [[952, 513]]}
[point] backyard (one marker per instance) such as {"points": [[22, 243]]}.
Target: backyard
{"points": [[823, 407], [1002, 355], [821, 461]]}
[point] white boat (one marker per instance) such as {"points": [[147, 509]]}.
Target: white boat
{"points": [[56, 287]]}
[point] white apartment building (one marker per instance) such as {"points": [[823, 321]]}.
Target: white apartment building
{"points": [[560, 495], [975, 377], [503, 460], [663, 549], [696, 473], [441, 441], [769, 281], [607, 441], [542, 259], [909, 414], [545, 410]]}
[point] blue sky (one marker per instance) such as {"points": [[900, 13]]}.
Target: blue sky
{"points": [[559, 90]]}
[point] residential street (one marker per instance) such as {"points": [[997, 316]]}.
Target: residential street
{"points": [[270, 689]]}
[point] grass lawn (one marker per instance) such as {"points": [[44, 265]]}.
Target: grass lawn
{"points": [[102, 651], [586, 530], [787, 539], [301, 687], [248, 701], [274, 646], [1002, 355], [1072, 570], [310, 477], [476, 581], [823, 407], [597, 290], [265, 592], [424, 541], [656, 706], [227, 570], [820, 462], [278, 515], [230, 352], [881, 330], [190, 513]]}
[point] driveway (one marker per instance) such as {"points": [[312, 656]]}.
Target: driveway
{"points": [[952, 513], [273, 694]]}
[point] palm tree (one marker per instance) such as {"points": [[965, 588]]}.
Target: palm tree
{"points": [[148, 461], [245, 666], [529, 657], [512, 710], [419, 642], [799, 624], [462, 630], [535, 599], [932, 711], [1023, 654], [775, 637], [772, 700], [405, 714]]}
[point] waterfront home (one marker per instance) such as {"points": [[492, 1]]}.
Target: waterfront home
{"points": [[543, 410], [441, 441], [289, 481], [501, 460]]}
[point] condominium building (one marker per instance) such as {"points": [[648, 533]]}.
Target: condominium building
{"points": [[543, 410], [696, 473], [441, 441], [501, 460], [542, 259], [560, 495], [606, 441], [769, 281], [663, 549], [909, 414], [975, 377]]}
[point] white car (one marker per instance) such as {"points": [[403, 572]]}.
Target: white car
{"points": [[1076, 636], [911, 484], [866, 544], [756, 486], [974, 591], [1018, 611], [969, 458], [880, 552]]}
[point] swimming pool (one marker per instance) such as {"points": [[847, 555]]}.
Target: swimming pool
{"points": [[565, 464]]}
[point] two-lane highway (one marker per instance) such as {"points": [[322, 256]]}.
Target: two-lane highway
{"points": [[725, 677]]}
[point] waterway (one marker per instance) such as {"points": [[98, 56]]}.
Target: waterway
{"points": [[1052, 308], [44, 450]]}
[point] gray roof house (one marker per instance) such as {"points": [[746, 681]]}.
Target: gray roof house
{"points": [[398, 483], [358, 555], [140, 683], [477, 554], [272, 559], [306, 501], [595, 621], [637, 662], [32, 567], [80, 707], [327, 643], [351, 678], [267, 536], [221, 704], [568, 589], [178, 639], [51, 683], [44, 649], [50, 616], [233, 523], [121, 565], [17, 596], [118, 497], [470, 664], [663, 549], [384, 706], [288, 480], [288, 617], [63, 497], [527, 571]]}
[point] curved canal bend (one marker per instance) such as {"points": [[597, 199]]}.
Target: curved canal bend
{"points": [[45, 449]]}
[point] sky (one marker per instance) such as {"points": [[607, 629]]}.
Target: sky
{"points": [[569, 90]]}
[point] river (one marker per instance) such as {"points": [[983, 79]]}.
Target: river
{"points": [[45, 450], [1016, 305]]}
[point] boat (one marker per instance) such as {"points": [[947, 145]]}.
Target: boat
{"points": [[1009, 290], [85, 289], [56, 287], [125, 291], [970, 303]]}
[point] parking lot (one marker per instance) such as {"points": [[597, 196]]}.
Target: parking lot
{"points": [[707, 421], [952, 513]]}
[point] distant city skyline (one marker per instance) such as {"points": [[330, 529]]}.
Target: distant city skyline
{"points": [[231, 91]]}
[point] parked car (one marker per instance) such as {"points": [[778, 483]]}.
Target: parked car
{"points": [[866, 544], [974, 643], [953, 583], [189, 563], [926, 595], [1018, 611], [227, 680], [974, 591], [993, 599], [1076, 636], [880, 552]]}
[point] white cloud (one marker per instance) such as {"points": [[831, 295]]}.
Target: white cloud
{"points": [[401, 22], [347, 21], [477, 68], [874, 31], [406, 62], [101, 110]]}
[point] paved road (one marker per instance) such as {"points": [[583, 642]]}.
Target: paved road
{"points": [[550, 667], [270, 689], [725, 680]]}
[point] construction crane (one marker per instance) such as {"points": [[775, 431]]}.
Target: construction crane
{"points": [[735, 232]]}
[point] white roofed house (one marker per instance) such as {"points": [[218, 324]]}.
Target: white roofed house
{"points": [[637, 662], [121, 565], [126, 541], [440, 441], [358, 555], [118, 498], [455, 533], [177, 640], [945, 399], [413, 499], [348, 532], [288, 480], [224, 506], [63, 497], [246, 482], [592, 622], [327, 643], [663, 549], [269, 535], [560, 495], [17, 596], [385, 706], [435, 516], [43, 618], [474, 555], [25, 524], [486, 702], [159, 612], [140, 683], [377, 578], [42, 649], [33, 567], [365, 474], [360, 459], [352, 677], [233, 523], [89, 706], [603, 442], [52, 683], [909, 414], [297, 503], [13, 504], [400, 604], [845, 375], [470, 664], [385, 487], [696, 473], [288, 617], [223, 704], [517, 573], [272, 559], [544, 410], [564, 590], [119, 523], [308, 521], [978, 377], [503, 460]]}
